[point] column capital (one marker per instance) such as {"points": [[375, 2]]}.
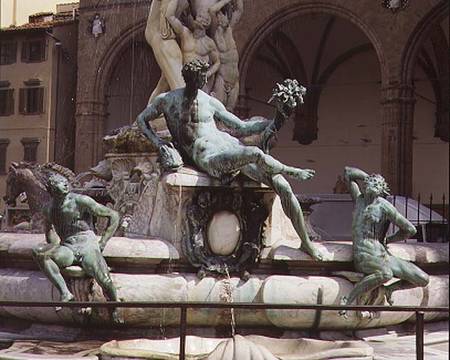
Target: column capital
{"points": [[91, 109], [398, 93]]}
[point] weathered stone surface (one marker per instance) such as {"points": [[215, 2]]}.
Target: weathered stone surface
{"points": [[155, 250], [33, 286], [51, 350], [128, 139], [150, 251], [189, 177], [175, 193], [329, 290], [238, 348], [226, 290], [342, 251]]}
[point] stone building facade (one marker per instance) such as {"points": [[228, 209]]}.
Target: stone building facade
{"points": [[401, 53], [37, 91]]}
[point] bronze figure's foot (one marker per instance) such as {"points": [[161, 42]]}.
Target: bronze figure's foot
{"points": [[117, 318], [65, 298], [317, 254], [369, 315], [86, 311], [388, 293], [343, 313]]}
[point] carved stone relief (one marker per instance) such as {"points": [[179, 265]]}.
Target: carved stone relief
{"points": [[240, 215]]}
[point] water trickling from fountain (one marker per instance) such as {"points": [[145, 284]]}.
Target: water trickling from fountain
{"points": [[228, 297]]}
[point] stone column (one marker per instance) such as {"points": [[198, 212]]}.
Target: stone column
{"points": [[397, 137], [90, 118], [242, 108]]}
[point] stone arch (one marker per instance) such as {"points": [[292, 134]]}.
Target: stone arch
{"points": [[417, 37], [412, 61], [109, 58], [295, 10]]}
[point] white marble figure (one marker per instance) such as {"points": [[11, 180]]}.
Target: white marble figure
{"points": [[195, 43], [162, 39], [395, 4], [97, 26], [226, 85], [201, 6]]}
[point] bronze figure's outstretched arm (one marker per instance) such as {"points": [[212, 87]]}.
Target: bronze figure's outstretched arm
{"points": [[242, 128], [351, 176]]}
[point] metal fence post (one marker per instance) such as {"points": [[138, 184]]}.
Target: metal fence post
{"points": [[183, 320], [419, 335]]}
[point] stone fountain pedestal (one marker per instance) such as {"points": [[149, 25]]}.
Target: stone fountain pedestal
{"points": [[188, 237], [239, 347], [154, 270]]}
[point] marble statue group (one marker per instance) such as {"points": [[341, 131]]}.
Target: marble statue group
{"points": [[179, 33], [199, 85]]}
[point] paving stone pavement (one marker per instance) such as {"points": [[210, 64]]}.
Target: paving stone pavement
{"points": [[402, 346]]}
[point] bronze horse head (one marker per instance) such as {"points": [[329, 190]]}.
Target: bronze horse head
{"points": [[23, 177]]}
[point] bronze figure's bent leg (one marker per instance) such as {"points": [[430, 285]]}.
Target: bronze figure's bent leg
{"points": [[94, 264], [367, 284], [290, 204], [236, 158], [50, 259], [409, 275]]}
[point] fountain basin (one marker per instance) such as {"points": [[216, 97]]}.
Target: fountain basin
{"points": [[237, 348], [143, 254], [24, 285]]}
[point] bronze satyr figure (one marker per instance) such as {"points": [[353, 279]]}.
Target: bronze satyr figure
{"points": [[191, 117], [371, 219], [70, 240]]}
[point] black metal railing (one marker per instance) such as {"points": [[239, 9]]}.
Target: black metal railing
{"points": [[429, 214], [184, 306]]}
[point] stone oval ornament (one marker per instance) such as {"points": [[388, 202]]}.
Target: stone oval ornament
{"points": [[224, 232]]}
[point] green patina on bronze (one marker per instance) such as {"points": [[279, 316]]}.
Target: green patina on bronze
{"points": [[372, 216], [191, 117], [70, 240]]}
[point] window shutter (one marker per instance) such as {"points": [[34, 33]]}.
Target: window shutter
{"points": [[25, 51], [3, 102], [43, 50], [3, 145], [30, 146], [10, 102], [23, 101], [13, 53], [40, 100]]}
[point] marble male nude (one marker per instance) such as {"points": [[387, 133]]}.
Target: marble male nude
{"points": [[195, 43], [162, 39], [226, 84]]}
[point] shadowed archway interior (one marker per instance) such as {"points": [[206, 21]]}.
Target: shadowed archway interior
{"points": [[133, 77], [339, 66]]}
